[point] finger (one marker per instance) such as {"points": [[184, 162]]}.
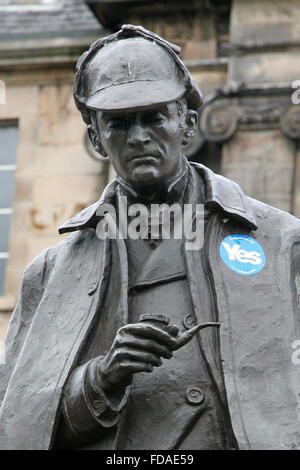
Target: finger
{"points": [[137, 355], [145, 344], [134, 367], [145, 330], [172, 330]]}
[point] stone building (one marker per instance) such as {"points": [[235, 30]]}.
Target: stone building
{"points": [[46, 173], [244, 54]]}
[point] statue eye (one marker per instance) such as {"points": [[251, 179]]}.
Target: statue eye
{"points": [[117, 124], [155, 118]]}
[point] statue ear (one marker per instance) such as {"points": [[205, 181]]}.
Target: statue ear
{"points": [[191, 122], [94, 138]]}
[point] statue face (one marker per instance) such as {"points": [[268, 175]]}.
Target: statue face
{"points": [[145, 147]]}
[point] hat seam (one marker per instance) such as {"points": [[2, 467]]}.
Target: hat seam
{"points": [[126, 83]]}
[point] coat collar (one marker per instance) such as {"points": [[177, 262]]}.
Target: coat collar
{"points": [[221, 194]]}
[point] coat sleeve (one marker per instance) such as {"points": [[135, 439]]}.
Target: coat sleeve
{"points": [[87, 412], [32, 288]]}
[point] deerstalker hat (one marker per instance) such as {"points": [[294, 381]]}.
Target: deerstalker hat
{"points": [[131, 70]]}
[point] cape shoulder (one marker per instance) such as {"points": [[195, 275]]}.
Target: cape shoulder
{"points": [[274, 218]]}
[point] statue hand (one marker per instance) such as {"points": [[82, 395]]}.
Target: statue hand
{"points": [[137, 347]]}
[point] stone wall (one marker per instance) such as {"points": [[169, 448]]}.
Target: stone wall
{"points": [[265, 41], [55, 176]]}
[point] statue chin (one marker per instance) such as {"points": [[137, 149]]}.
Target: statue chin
{"points": [[146, 175]]}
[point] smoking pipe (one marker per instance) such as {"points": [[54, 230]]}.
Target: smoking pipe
{"points": [[162, 321]]}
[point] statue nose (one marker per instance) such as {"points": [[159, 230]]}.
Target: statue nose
{"points": [[138, 134]]}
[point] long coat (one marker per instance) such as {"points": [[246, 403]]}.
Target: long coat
{"points": [[259, 315]]}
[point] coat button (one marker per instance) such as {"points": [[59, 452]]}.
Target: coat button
{"points": [[195, 396], [93, 287], [189, 321]]}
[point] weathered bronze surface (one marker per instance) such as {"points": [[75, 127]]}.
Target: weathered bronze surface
{"points": [[146, 343]]}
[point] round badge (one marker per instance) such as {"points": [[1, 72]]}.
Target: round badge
{"points": [[242, 254]]}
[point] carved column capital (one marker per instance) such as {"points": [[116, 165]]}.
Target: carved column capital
{"points": [[259, 108], [290, 122], [218, 122]]}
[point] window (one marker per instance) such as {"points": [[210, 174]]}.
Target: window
{"points": [[23, 6], [8, 152], [28, 2]]}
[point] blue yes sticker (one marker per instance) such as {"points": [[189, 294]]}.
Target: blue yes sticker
{"points": [[242, 254]]}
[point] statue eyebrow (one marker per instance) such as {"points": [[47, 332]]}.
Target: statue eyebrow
{"points": [[124, 117], [114, 117], [162, 110]]}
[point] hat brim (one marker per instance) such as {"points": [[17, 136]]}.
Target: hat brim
{"points": [[136, 95]]}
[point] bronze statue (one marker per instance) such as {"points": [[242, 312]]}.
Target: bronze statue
{"points": [[144, 342]]}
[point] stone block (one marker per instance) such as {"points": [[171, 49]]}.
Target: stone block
{"points": [[270, 67], [56, 198], [209, 80], [59, 119], [269, 21], [66, 158], [262, 163], [199, 49], [4, 321]]}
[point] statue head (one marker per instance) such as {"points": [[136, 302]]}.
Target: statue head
{"points": [[138, 100]]}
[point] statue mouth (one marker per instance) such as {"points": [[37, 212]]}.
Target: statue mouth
{"points": [[144, 158]]}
